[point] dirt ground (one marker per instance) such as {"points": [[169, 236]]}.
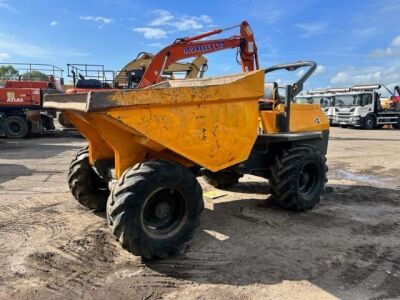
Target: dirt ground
{"points": [[347, 247]]}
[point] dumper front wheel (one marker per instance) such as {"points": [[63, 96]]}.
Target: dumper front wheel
{"points": [[298, 177], [86, 186], [154, 208]]}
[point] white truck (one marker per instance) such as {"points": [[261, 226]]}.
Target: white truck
{"points": [[361, 107], [358, 106]]}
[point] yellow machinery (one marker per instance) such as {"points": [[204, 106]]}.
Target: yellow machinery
{"points": [[150, 144], [194, 69]]}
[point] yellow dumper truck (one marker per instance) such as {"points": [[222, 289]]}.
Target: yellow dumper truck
{"points": [[146, 147]]}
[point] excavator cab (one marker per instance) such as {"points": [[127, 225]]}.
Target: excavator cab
{"points": [[134, 76]]}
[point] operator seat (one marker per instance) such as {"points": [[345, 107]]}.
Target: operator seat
{"points": [[270, 96]]}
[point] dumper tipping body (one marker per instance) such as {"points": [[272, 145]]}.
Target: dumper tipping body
{"points": [[193, 122]]}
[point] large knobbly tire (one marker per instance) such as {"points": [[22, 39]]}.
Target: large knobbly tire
{"points": [[154, 208], [396, 126], [221, 179], [298, 177], [16, 127], [85, 185]]}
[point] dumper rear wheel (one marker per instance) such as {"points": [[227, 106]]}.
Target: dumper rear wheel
{"points": [[224, 178], [298, 177], [86, 186], [154, 208]]}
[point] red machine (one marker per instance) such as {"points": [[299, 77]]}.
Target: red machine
{"points": [[21, 100], [396, 99]]}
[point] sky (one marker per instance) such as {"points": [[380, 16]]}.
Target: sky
{"points": [[353, 42]]}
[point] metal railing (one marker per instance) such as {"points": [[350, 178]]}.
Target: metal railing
{"points": [[27, 71], [88, 71]]}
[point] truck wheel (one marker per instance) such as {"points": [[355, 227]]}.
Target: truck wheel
{"points": [[85, 185], [369, 122], [16, 127], [396, 126], [154, 208], [298, 177], [225, 178]]}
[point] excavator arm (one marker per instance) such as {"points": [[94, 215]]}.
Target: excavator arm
{"points": [[195, 46]]}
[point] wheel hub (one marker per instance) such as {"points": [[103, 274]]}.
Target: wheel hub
{"points": [[162, 210], [15, 127], [308, 178], [304, 178]]}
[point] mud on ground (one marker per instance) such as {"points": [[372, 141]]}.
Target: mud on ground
{"points": [[347, 247]]}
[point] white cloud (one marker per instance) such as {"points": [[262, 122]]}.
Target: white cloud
{"points": [[4, 55], [151, 33], [367, 75], [12, 45], [396, 42], [163, 18], [366, 32], [102, 21], [192, 22], [180, 22], [6, 6], [320, 70], [311, 29], [389, 6], [393, 50], [271, 16], [53, 23], [15, 47], [387, 52]]}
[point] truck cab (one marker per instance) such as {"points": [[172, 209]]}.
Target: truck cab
{"points": [[361, 107], [352, 108]]}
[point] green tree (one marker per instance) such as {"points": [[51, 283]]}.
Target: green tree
{"points": [[34, 75], [8, 72]]}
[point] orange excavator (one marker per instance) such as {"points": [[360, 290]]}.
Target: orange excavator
{"points": [[194, 46]]}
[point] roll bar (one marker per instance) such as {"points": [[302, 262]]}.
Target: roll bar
{"points": [[298, 85], [293, 90]]}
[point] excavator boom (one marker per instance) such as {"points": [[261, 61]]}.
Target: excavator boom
{"points": [[195, 46]]}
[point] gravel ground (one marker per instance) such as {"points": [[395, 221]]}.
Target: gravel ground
{"points": [[347, 247]]}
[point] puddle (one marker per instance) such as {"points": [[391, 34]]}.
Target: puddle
{"points": [[388, 182]]}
